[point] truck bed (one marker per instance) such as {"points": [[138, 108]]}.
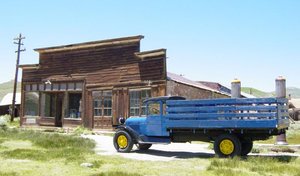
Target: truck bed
{"points": [[250, 113]]}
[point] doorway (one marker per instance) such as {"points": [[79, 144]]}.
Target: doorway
{"points": [[102, 101], [52, 106], [59, 109]]}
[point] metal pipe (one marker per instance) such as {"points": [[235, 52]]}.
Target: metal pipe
{"points": [[235, 88], [280, 89]]}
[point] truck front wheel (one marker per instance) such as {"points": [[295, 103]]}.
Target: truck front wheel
{"points": [[123, 141], [227, 145]]}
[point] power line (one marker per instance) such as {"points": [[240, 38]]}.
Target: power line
{"points": [[19, 43]]}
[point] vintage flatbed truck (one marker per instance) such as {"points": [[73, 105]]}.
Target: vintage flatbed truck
{"points": [[231, 124]]}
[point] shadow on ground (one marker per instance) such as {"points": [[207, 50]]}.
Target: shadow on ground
{"points": [[175, 154]]}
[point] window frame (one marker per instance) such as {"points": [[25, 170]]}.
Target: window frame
{"points": [[142, 109], [101, 96], [37, 108]]}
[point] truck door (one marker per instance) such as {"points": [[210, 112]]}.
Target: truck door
{"points": [[153, 122]]}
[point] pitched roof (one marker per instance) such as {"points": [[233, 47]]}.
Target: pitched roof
{"points": [[7, 99], [109, 42], [183, 80], [217, 86], [295, 102]]}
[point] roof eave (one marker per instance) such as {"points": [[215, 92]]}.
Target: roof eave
{"points": [[29, 66], [109, 42], [151, 54]]}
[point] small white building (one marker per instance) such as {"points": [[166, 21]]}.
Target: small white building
{"points": [[7, 101]]}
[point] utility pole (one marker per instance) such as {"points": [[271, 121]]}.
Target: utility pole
{"points": [[19, 43]]}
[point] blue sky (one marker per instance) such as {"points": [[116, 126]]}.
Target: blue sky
{"points": [[252, 40]]}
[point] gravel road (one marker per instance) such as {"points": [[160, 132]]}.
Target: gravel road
{"points": [[158, 152]]}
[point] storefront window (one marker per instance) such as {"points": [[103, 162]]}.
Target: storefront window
{"points": [[48, 105], [136, 101], [31, 104], [75, 104]]}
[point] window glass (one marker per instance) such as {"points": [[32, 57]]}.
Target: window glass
{"points": [[134, 97], [102, 103], [63, 86], [78, 86], [75, 104], [31, 104], [27, 87], [48, 86], [48, 105], [55, 86], [154, 108], [164, 108], [71, 86], [41, 87], [34, 87], [137, 97]]}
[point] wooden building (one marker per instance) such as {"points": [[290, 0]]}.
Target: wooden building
{"points": [[181, 86], [93, 83]]}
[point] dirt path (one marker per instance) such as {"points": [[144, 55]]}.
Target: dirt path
{"points": [[159, 152]]}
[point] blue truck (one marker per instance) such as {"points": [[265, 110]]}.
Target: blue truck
{"points": [[231, 124]]}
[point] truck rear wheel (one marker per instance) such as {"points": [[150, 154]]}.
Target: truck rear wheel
{"points": [[143, 146], [123, 141], [247, 145], [227, 145]]}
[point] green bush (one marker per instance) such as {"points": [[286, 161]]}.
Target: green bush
{"points": [[3, 123], [81, 130]]}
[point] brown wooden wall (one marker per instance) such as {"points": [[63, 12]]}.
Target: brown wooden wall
{"points": [[115, 68], [97, 65]]}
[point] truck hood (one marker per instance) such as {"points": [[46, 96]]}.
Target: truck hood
{"points": [[137, 124], [135, 121]]}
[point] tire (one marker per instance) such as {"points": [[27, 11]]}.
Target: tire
{"points": [[123, 142], [247, 145], [143, 146], [227, 145]]}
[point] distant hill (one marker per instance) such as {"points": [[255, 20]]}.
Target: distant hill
{"points": [[295, 92], [8, 87], [256, 92]]}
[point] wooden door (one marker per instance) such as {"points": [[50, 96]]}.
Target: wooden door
{"points": [[102, 107], [120, 105]]}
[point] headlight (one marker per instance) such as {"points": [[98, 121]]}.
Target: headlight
{"points": [[121, 120]]}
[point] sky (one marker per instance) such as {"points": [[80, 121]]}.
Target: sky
{"points": [[217, 40]]}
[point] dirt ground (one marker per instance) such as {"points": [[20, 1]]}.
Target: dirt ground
{"points": [[159, 152]]}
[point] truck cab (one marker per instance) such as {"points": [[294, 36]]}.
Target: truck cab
{"points": [[151, 124]]}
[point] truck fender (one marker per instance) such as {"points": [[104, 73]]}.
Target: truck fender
{"points": [[132, 133]]}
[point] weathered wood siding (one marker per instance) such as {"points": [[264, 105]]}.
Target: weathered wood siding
{"points": [[117, 67]]}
